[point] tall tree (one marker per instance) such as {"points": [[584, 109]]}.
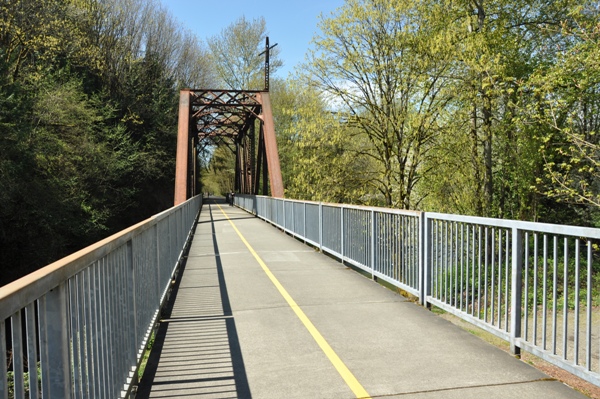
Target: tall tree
{"points": [[235, 54], [321, 153], [567, 109], [496, 45], [371, 61], [88, 97]]}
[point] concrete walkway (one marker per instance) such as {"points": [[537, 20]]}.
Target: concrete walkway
{"points": [[231, 333]]}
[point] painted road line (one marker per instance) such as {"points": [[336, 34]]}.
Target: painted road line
{"points": [[339, 365]]}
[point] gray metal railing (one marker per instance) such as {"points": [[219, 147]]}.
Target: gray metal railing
{"points": [[534, 285], [78, 327]]}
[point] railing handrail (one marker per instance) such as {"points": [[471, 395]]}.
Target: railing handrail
{"points": [[347, 206], [85, 319], [32, 286], [551, 228]]}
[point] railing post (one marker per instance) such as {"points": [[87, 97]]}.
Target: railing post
{"points": [[342, 232], [304, 231], [424, 258], [132, 311], [159, 271], [32, 349], [180, 235], [17, 355], [516, 290], [56, 373], [3, 370], [373, 244], [321, 226]]}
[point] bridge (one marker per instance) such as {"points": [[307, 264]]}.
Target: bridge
{"points": [[279, 298]]}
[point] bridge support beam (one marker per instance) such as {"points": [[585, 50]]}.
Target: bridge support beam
{"points": [[272, 154], [183, 140]]}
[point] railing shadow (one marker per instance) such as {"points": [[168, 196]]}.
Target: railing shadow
{"points": [[234, 218], [196, 350]]}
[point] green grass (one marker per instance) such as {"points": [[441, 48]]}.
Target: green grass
{"points": [[11, 382], [145, 356]]}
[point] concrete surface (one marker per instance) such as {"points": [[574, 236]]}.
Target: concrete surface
{"points": [[231, 334]]}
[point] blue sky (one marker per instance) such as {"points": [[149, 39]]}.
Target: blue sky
{"points": [[290, 23]]}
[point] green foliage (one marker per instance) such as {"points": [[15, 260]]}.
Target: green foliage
{"points": [[11, 382], [320, 151], [448, 187], [485, 108], [235, 54], [146, 356], [88, 108], [218, 176], [567, 109], [373, 64], [41, 35]]}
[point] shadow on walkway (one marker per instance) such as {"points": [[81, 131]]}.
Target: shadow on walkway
{"points": [[202, 355]]}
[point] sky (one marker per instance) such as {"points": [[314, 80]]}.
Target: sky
{"points": [[290, 23]]}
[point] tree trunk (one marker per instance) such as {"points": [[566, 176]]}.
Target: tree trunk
{"points": [[487, 155], [475, 162]]}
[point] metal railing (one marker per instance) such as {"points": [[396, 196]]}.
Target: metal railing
{"points": [[78, 327], [534, 285]]}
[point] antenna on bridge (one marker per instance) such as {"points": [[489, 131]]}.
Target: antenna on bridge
{"points": [[266, 53]]}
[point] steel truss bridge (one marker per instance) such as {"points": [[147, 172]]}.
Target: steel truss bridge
{"points": [[242, 120], [234, 118]]}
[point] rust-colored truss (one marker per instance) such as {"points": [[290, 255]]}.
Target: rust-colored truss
{"points": [[228, 117]]}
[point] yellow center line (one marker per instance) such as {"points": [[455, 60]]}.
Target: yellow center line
{"points": [[339, 365]]}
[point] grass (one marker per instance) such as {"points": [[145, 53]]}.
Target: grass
{"points": [[11, 382], [145, 356]]}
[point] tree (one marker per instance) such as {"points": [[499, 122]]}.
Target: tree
{"points": [[287, 100], [568, 107], [495, 46], [371, 61], [219, 175], [37, 34], [88, 107], [320, 152], [193, 68], [235, 54]]}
